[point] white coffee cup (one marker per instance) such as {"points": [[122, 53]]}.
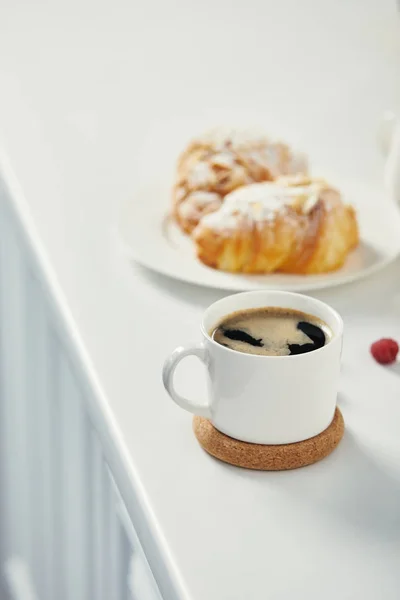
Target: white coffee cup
{"points": [[265, 399]]}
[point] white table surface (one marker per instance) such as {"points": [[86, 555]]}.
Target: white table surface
{"points": [[82, 83]]}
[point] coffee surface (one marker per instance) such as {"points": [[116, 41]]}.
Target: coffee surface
{"points": [[271, 332]]}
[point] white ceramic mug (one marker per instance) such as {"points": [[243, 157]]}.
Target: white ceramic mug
{"points": [[265, 399]]}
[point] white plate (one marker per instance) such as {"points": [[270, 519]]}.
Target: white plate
{"points": [[154, 241]]}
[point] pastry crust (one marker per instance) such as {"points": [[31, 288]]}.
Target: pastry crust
{"points": [[221, 161], [332, 231], [294, 225]]}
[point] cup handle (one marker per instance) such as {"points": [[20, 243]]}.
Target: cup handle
{"points": [[390, 145], [386, 130], [202, 410]]}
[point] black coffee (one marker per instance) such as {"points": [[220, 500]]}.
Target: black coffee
{"points": [[271, 332]]}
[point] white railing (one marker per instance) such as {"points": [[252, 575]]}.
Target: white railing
{"points": [[65, 532]]}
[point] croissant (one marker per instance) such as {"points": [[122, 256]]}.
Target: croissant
{"points": [[293, 225], [219, 162]]}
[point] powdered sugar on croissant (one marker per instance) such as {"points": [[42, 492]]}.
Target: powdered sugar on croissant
{"points": [[221, 161], [296, 225], [261, 202]]}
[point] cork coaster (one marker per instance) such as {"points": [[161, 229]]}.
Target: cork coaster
{"points": [[268, 458]]}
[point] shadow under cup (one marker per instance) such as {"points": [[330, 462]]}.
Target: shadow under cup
{"points": [[272, 399]]}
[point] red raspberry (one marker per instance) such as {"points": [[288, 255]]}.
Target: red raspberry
{"points": [[385, 351]]}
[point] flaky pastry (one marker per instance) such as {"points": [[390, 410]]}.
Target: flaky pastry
{"points": [[292, 225], [221, 161]]}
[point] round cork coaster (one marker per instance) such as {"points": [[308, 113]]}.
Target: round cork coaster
{"points": [[268, 457]]}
